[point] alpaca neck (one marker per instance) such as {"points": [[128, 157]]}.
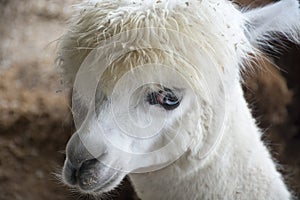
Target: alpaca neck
{"points": [[239, 168]]}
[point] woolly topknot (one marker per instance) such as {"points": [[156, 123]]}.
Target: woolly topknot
{"points": [[217, 26]]}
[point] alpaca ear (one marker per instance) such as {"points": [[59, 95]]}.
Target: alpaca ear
{"points": [[282, 17]]}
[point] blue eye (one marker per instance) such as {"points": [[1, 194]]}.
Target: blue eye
{"points": [[166, 98]]}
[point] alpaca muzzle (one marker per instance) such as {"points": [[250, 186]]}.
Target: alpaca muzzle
{"points": [[84, 170], [91, 176]]}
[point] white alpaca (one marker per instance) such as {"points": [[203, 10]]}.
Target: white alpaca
{"points": [[169, 76]]}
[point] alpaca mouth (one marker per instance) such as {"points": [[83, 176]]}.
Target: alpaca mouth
{"points": [[107, 184], [92, 177], [88, 185]]}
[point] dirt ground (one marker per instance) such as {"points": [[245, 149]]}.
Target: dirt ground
{"points": [[35, 120]]}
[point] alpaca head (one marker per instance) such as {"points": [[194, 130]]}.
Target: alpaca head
{"points": [[152, 81], [143, 110]]}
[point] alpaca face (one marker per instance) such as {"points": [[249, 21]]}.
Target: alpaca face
{"points": [[138, 108], [137, 126]]}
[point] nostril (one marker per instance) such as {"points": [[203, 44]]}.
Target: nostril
{"points": [[88, 163]]}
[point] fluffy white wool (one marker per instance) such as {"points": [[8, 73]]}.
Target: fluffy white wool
{"points": [[215, 25]]}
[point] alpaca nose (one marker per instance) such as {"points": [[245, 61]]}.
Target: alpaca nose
{"points": [[72, 174], [78, 158], [77, 153]]}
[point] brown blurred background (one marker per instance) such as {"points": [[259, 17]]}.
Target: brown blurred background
{"points": [[35, 120]]}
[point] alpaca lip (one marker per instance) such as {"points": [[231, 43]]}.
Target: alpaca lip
{"points": [[87, 184], [93, 175], [107, 183]]}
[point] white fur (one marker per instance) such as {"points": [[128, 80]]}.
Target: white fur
{"points": [[227, 163]]}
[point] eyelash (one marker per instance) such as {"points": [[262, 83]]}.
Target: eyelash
{"points": [[166, 98]]}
